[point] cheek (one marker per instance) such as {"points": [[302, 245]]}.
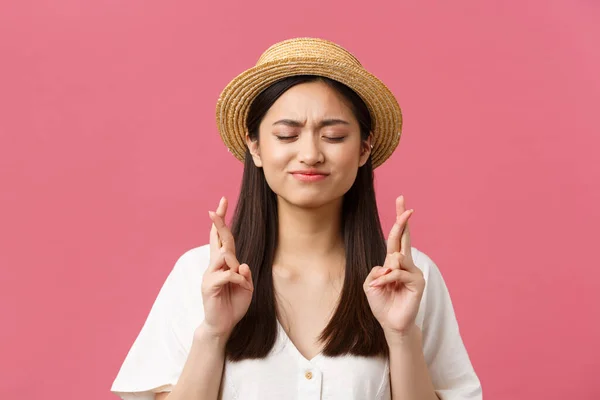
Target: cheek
{"points": [[274, 162], [275, 158], [348, 176], [346, 165], [346, 156]]}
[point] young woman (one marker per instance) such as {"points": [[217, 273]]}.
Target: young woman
{"points": [[303, 298]]}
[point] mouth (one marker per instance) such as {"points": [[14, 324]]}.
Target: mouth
{"points": [[309, 176]]}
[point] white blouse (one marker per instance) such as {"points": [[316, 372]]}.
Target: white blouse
{"points": [[156, 358]]}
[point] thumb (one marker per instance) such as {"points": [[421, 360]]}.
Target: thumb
{"points": [[375, 273], [244, 270]]}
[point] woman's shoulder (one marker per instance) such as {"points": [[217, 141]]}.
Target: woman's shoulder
{"points": [[193, 261], [434, 283], [185, 277], [423, 261]]}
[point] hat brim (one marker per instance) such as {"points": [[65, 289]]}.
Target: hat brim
{"points": [[235, 100]]}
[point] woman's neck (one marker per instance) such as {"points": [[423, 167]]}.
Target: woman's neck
{"points": [[310, 237]]}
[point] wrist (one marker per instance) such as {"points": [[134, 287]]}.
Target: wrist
{"points": [[406, 336], [206, 334]]}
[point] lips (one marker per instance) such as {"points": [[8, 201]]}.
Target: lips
{"points": [[309, 172], [309, 176]]}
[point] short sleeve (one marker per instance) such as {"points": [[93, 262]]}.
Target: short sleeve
{"points": [[447, 359], [157, 356]]}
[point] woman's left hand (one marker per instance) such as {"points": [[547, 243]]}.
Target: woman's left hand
{"points": [[394, 290]]}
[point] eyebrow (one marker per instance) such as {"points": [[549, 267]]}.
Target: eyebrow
{"points": [[323, 123]]}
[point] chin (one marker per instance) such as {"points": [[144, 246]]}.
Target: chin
{"points": [[309, 200], [310, 196], [307, 203]]}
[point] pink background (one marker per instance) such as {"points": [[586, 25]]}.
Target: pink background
{"points": [[109, 161]]}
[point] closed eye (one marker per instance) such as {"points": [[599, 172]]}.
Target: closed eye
{"points": [[335, 139], [286, 138]]}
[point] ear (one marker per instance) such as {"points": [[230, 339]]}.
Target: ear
{"points": [[254, 150], [365, 150]]}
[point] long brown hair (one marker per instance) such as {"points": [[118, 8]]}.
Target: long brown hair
{"points": [[352, 329]]}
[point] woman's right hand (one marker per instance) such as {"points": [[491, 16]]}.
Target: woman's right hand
{"points": [[227, 286]]}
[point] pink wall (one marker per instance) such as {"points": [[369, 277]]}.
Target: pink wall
{"points": [[109, 161]]}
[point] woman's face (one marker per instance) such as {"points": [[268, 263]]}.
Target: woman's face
{"points": [[309, 145]]}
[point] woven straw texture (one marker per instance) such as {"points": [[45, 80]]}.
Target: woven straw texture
{"points": [[309, 56]]}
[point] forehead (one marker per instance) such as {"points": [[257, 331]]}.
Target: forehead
{"points": [[311, 100]]}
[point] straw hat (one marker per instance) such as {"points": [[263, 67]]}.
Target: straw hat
{"points": [[309, 56]]}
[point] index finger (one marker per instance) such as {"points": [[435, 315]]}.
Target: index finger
{"points": [[405, 241], [215, 241], [396, 233], [225, 235]]}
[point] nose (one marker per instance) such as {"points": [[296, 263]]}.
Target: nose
{"points": [[310, 152]]}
